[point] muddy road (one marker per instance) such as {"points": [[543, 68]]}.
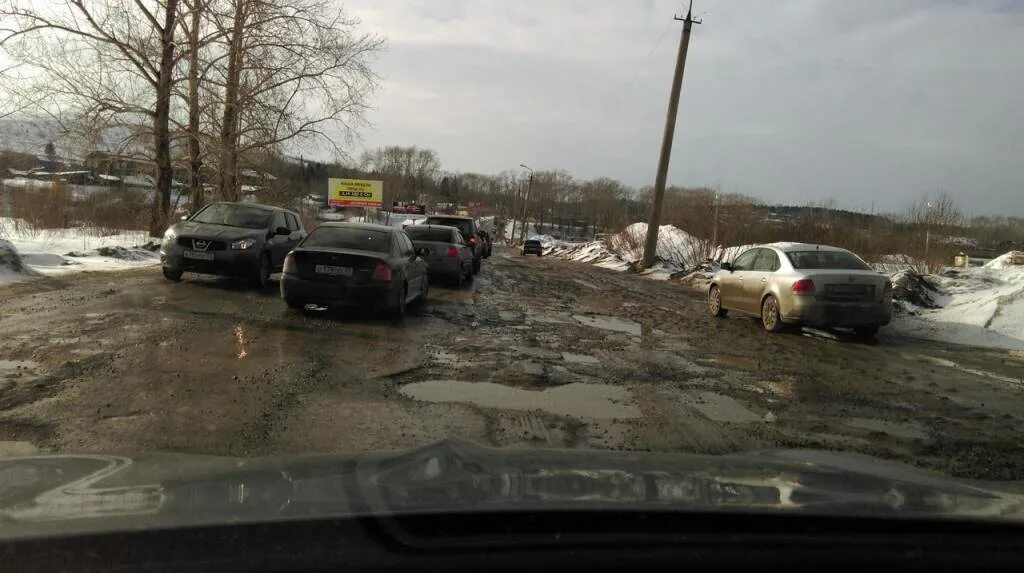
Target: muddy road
{"points": [[537, 352]]}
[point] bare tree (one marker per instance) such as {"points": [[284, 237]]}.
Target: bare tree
{"points": [[405, 170], [132, 41], [293, 73]]}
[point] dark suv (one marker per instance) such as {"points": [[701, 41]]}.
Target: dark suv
{"points": [[469, 230], [232, 239]]}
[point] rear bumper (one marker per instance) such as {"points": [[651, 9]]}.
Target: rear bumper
{"points": [[533, 250], [224, 263], [813, 312], [300, 290], [446, 267]]}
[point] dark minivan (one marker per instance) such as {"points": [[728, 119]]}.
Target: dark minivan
{"points": [[355, 264], [232, 239]]}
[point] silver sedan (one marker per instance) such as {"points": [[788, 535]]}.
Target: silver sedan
{"points": [[802, 284]]}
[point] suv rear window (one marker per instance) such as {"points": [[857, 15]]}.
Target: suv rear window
{"points": [[349, 238], [464, 225], [826, 260], [437, 235]]}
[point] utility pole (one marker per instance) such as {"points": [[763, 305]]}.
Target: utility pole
{"points": [[714, 230], [526, 203], [654, 220]]}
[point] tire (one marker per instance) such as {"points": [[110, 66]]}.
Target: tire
{"points": [[295, 304], [262, 274], [476, 266], [715, 303], [770, 319], [399, 309], [172, 275], [540, 254], [865, 332], [424, 292], [469, 276]]}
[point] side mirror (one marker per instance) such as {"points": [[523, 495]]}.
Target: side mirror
{"points": [[726, 267], [282, 231]]}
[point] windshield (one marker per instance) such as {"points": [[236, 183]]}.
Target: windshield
{"points": [[349, 238], [826, 260], [226, 230], [418, 233], [464, 226], [234, 216]]}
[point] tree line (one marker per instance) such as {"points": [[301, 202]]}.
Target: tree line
{"points": [[210, 87]]}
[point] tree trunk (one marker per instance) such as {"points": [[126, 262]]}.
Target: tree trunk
{"points": [[229, 126], [195, 163], [161, 129]]}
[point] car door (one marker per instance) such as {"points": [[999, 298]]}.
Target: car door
{"points": [[415, 267], [296, 228], [465, 253], [280, 245], [755, 281], [731, 283]]}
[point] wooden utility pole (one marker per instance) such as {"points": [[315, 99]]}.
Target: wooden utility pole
{"points": [[654, 219]]}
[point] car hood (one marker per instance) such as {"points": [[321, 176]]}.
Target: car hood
{"points": [[213, 231], [45, 495]]}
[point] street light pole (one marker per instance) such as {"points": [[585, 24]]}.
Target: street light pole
{"points": [[526, 202]]}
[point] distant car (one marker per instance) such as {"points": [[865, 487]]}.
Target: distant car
{"points": [[355, 264], [532, 247], [233, 239], [469, 229], [446, 251], [802, 284]]}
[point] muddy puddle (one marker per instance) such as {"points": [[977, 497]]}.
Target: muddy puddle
{"points": [[576, 400], [720, 408], [909, 431], [612, 323]]}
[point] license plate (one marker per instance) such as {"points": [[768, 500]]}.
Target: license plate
{"points": [[333, 270], [847, 289], [199, 255]]}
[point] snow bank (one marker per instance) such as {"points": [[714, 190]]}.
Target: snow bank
{"points": [[979, 306], [12, 266], [54, 252]]}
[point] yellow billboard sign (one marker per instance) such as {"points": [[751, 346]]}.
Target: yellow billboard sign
{"points": [[354, 193]]}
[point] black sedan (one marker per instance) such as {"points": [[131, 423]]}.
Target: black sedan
{"points": [[355, 264], [232, 239]]}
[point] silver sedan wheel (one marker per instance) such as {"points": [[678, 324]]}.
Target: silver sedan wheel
{"points": [[770, 315]]}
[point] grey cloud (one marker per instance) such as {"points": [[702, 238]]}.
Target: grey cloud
{"points": [[790, 102]]}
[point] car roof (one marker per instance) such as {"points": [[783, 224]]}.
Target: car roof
{"points": [[788, 247], [365, 226], [421, 226], [255, 205], [459, 217]]}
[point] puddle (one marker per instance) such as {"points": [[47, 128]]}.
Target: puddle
{"points": [[460, 296], [956, 366], [577, 400], [546, 318], [900, 430], [508, 316], [613, 323], [587, 284], [579, 358], [720, 408], [734, 360]]}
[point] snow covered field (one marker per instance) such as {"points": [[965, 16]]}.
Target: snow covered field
{"points": [[52, 252], [979, 306]]}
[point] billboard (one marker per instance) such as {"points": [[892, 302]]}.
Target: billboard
{"points": [[354, 193]]}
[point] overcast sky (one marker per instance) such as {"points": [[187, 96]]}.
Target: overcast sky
{"points": [[790, 102]]}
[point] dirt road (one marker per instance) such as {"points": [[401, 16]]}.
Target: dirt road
{"points": [[538, 352]]}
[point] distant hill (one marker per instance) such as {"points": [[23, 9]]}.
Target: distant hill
{"points": [[32, 135]]}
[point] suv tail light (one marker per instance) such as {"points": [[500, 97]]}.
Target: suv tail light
{"points": [[472, 240], [453, 252], [382, 272], [289, 264], [803, 286]]}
